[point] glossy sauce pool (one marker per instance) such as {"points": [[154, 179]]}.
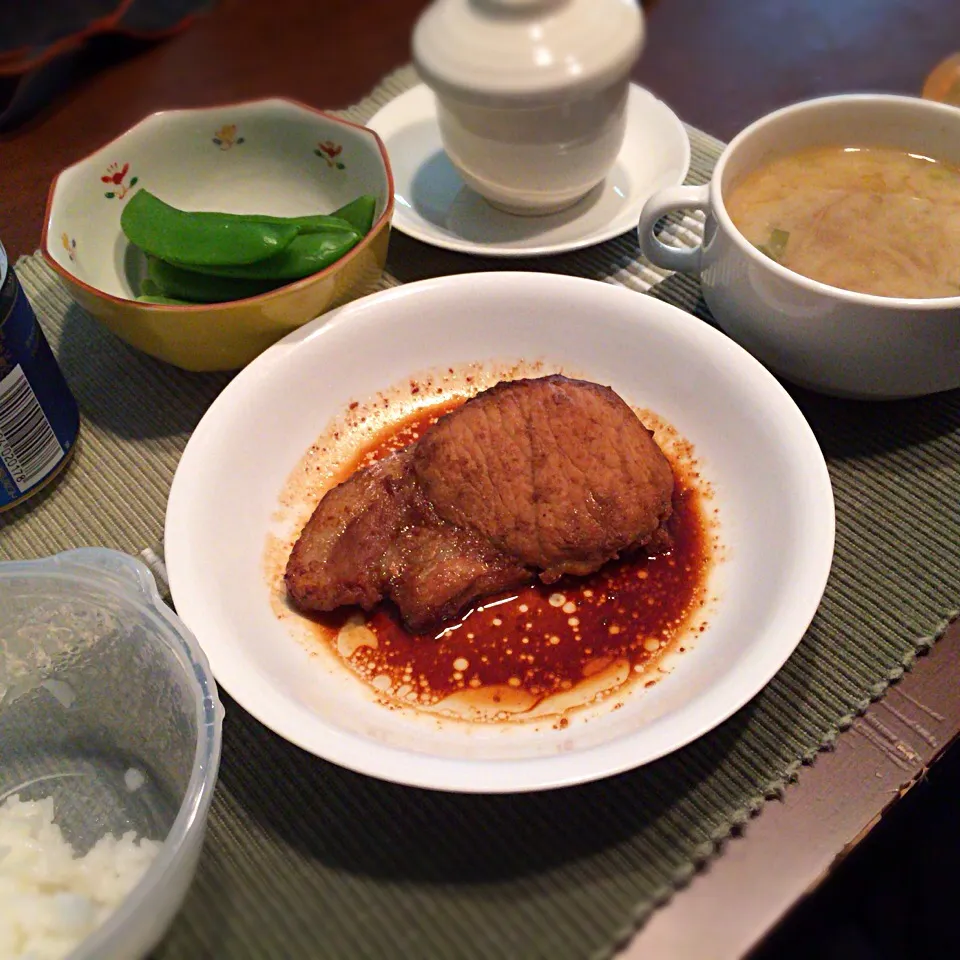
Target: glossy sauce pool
{"points": [[540, 650]]}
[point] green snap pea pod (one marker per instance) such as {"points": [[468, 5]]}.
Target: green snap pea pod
{"points": [[315, 223], [311, 223], [183, 284], [166, 301], [358, 212], [305, 255], [210, 239]]}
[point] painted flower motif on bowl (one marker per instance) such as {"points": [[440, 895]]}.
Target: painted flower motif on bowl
{"points": [[115, 177], [329, 151], [226, 137]]}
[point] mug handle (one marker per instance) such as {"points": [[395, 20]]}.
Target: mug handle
{"points": [[661, 203]]}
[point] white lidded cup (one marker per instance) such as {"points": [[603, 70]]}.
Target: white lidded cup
{"points": [[835, 341], [531, 94]]}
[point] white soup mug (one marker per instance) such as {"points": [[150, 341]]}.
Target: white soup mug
{"points": [[835, 341]]}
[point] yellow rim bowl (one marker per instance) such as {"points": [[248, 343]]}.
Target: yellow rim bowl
{"points": [[268, 156]]}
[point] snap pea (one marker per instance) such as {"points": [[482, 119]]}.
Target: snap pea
{"points": [[312, 223], [182, 284], [166, 301], [358, 212], [315, 223], [210, 239], [305, 254]]}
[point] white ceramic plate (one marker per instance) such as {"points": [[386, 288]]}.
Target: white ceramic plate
{"points": [[434, 205], [768, 475]]}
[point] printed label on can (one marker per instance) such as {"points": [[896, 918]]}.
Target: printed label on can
{"points": [[28, 446], [39, 418]]}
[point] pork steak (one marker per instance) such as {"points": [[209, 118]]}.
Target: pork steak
{"points": [[540, 477]]}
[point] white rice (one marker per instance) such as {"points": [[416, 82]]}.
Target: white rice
{"points": [[134, 779], [50, 899]]}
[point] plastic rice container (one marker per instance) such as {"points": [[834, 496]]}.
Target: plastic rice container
{"points": [[108, 705]]}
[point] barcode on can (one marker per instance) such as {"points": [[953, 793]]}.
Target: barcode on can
{"points": [[28, 446]]}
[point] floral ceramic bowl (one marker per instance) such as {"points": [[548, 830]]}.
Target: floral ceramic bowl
{"points": [[266, 156]]}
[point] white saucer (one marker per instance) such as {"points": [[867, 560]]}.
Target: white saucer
{"points": [[435, 206]]}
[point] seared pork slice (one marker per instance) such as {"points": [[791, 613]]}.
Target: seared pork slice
{"points": [[375, 536], [560, 474], [544, 477], [343, 556]]}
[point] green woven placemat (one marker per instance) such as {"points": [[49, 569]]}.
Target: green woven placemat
{"points": [[304, 859]]}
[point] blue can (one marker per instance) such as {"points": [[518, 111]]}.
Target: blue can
{"points": [[39, 418]]}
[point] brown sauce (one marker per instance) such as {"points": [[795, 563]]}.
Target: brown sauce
{"points": [[540, 649]]}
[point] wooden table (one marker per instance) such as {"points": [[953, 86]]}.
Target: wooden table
{"points": [[719, 65]]}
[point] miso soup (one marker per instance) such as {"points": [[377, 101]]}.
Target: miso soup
{"points": [[867, 219]]}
